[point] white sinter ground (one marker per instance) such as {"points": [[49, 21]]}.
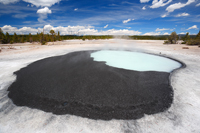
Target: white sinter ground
{"points": [[182, 117], [135, 61]]}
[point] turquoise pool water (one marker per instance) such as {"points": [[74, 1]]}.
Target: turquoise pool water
{"points": [[135, 61]]}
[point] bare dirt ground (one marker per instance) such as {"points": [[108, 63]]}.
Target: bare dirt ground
{"points": [[183, 116], [146, 44]]}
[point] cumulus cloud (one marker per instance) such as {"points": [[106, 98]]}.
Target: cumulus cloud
{"points": [[88, 30], [75, 9], [8, 1], [182, 15], [43, 13], [193, 27], [160, 3], [166, 33], [24, 30], [37, 3], [198, 4], [161, 29], [106, 26], [144, 1], [152, 33], [78, 30], [179, 5], [126, 21]]}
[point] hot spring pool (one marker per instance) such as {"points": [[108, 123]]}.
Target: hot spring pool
{"points": [[136, 61], [96, 84]]}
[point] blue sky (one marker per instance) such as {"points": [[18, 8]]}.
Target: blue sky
{"points": [[113, 17]]}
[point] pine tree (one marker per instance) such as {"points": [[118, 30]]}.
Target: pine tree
{"points": [[198, 35], [186, 38], [38, 37], [22, 39], [15, 38], [1, 35], [59, 36], [52, 34], [7, 37]]}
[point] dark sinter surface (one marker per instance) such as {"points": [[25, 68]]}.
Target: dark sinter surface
{"points": [[75, 84]]}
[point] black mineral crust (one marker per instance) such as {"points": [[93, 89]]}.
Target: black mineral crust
{"points": [[75, 84]]}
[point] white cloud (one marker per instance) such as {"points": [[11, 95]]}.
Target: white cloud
{"points": [[165, 15], [126, 21], [198, 4], [88, 30], [193, 27], [75, 9], [152, 33], [106, 26], [144, 1], [37, 3], [8, 28], [119, 32], [78, 30], [24, 30], [182, 33], [44, 11], [47, 3], [144, 8], [182, 14], [166, 33], [43, 14], [179, 5], [161, 29], [27, 30], [160, 3], [8, 1]]}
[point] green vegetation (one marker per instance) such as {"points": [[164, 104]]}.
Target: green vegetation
{"points": [[187, 39], [43, 38], [89, 37], [172, 39], [194, 41]]}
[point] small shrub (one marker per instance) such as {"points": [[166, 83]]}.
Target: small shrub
{"points": [[166, 42], [194, 42], [43, 42], [183, 43]]}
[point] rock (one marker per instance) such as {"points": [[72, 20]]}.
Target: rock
{"points": [[185, 48]]}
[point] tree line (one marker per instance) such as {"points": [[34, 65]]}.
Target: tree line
{"points": [[43, 38], [39, 37], [52, 36]]}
